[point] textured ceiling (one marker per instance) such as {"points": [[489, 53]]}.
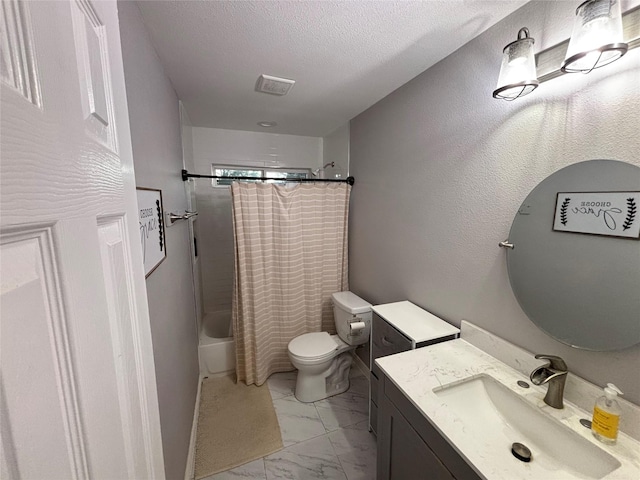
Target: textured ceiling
{"points": [[344, 56]]}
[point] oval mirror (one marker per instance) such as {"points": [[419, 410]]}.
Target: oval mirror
{"points": [[582, 287]]}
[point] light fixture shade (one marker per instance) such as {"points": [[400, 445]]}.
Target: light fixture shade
{"points": [[597, 38], [518, 71]]}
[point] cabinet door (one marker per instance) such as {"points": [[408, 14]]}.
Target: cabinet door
{"points": [[402, 454]]}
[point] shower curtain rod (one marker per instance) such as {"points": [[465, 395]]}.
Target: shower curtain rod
{"points": [[350, 180]]}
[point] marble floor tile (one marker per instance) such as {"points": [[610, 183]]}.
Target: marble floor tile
{"points": [[356, 450], [353, 440], [313, 459], [252, 471], [347, 452], [360, 385], [358, 466], [347, 400], [346, 409], [364, 425], [355, 372], [298, 421], [334, 417], [282, 384]]}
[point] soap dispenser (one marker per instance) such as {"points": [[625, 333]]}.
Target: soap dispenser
{"points": [[606, 415]]}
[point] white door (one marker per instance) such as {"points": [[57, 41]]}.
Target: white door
{"points": [[78, 396]]}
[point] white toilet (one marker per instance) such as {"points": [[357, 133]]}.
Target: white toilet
{"points": [[323, 360]]}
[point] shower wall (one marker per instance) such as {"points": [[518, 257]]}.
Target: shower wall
{"points": [[215, 229]]}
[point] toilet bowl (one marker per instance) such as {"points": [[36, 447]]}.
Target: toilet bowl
{"points": [[323, 360]]}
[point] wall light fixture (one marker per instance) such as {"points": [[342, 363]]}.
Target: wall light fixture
{"points": [[597, 38], [600, 36], [518, 70]]}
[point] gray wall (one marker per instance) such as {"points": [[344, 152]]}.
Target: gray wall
{"points": [[441, 169], [157, 154]]}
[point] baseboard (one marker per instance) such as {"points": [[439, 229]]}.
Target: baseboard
{"points": [[360, 365], [189, 473]]}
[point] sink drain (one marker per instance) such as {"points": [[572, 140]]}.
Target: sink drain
{"points": [[521, 452]]}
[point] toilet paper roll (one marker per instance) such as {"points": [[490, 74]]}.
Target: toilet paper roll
{"points": [[356, 328]]}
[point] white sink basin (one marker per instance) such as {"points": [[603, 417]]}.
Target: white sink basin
{"points": [[499, 417]]}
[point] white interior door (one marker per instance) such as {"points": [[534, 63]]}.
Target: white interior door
{"points": [[78, 396]]}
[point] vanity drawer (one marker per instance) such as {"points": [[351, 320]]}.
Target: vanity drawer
{"points": [[386, 340]]}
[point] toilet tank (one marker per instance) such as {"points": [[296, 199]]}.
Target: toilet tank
{"points": [[352, 315]]}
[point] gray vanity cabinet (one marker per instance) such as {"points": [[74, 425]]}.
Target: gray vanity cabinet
{"points": [[398, 327], [385, 340], [409, 447]]}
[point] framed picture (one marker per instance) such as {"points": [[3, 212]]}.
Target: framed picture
{"points": [[151, 218], [614, 214]]}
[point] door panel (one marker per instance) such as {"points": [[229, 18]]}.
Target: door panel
{"points": [[79, 397], [40, 414], [82, 281], [18, 69], [94, 74], [115, 261]]}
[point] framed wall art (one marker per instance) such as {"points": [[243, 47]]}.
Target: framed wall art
{"points": [[152, 238]]}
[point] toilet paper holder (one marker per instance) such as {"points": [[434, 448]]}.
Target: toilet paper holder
{"points": [[357, 327]]}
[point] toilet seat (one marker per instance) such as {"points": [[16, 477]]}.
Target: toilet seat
{"points": [[313, 346]]}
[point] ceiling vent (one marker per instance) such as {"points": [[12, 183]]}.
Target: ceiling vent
{"points": [[274, 85]]}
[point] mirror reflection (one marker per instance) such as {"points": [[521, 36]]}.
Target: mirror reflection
{"points": [[574, 276]]}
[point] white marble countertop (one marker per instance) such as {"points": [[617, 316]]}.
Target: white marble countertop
{"points": [[417, 372]]}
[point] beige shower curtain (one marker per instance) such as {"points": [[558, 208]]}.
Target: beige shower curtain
{"points": [[290, 256]]}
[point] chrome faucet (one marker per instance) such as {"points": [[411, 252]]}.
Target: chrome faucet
{"points": [[555, 374]]}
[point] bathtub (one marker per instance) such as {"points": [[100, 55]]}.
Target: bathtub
{"points": [[216, 349]]}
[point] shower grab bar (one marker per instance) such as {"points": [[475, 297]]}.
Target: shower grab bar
{"points": [[174, 217], [186, 176]]}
